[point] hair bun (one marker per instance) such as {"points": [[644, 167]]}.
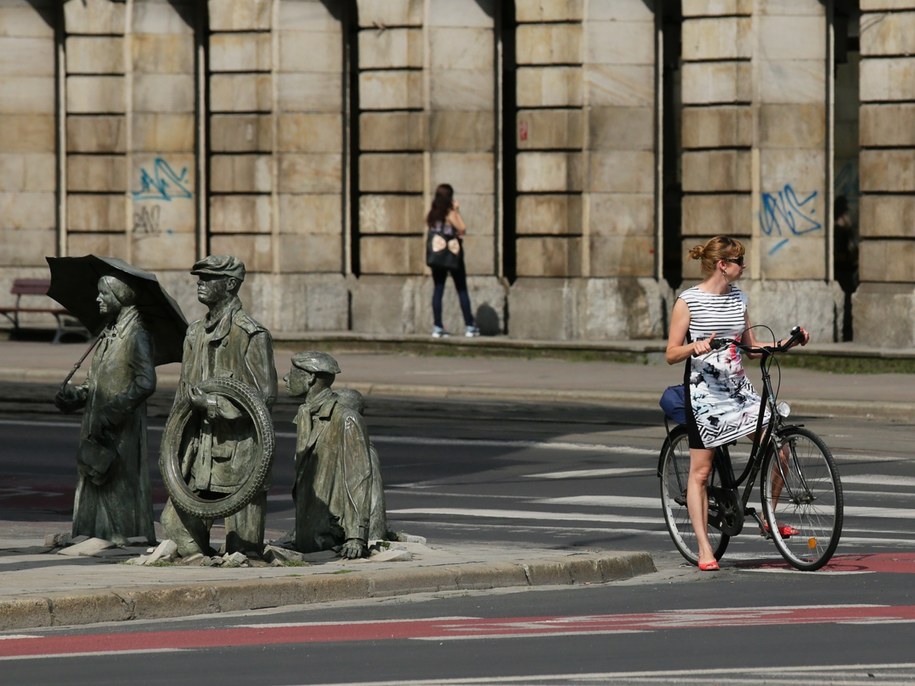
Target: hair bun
{"points": [[697, 252]]}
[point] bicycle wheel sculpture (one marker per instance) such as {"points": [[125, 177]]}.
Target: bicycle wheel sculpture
{"points": [[248, 399], [674, 472], [802, 499]]}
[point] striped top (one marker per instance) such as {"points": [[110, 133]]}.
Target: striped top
{"points": [[709, 313], [723, 403]]}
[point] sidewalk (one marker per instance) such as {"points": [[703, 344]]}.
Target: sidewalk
{"points": [[534, 371], [40, 587], [43, 589]]}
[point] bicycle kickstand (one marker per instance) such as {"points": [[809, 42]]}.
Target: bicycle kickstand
{"points": [[762, 527]]}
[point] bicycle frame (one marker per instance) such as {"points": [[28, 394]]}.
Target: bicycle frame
{"points": [[732, 507], [800, 490]]}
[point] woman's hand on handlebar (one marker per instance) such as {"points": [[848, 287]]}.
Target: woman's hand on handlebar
{"points": [[703, 346], [798, 335]]}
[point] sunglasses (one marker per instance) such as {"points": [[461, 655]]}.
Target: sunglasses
{"points": [[735, 260]]}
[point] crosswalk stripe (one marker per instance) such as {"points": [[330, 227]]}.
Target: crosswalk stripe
{"points": [[522, 514]]}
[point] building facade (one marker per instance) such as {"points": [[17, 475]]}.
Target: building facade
{"points": [[590, 142]]}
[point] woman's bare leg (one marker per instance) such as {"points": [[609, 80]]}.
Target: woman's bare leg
{"points": [[700, 465]]}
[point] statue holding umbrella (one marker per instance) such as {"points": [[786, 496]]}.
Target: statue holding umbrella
{"points": [[138, 325]]}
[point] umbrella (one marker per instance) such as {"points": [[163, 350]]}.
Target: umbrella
{"points": [[74, 284]]}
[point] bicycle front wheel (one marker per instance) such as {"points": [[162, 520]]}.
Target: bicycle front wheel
{"points": [[674, 476], [802, 499]]}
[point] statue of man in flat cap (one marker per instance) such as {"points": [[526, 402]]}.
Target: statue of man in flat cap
{"points": [[217, 458], [333, 480]]}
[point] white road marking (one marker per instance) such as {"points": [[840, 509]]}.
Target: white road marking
{"points": [[879, 480], [589, 473], [604, 501], [847, 674], [523, 514]]}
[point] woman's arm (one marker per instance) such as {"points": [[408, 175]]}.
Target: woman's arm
{"points": [[677, 350], [456, 220], [750, 339]]}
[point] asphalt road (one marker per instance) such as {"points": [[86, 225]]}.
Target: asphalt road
{"points": [[548, 475]]}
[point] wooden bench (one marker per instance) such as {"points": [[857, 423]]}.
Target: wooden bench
{"points": [[21, 287]]}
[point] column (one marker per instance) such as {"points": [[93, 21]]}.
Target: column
{"points": [[884, 304]]}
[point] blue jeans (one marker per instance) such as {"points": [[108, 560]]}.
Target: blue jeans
{"points": [[460, 283]]}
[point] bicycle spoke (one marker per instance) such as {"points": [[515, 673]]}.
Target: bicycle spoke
{"points": [[802, 500]]}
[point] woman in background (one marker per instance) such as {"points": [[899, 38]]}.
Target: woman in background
{"points": [[445, 219]]}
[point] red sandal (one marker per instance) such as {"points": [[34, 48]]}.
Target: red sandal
{"points": [[784, 530], [709, 566]]}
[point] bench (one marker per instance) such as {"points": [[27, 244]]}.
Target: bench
{"points": [[21, 287]]}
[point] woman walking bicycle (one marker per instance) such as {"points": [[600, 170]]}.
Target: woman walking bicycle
{"points": [[721, 403]]}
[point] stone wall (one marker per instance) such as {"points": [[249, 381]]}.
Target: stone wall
{"points": [[885, 302], [755, 151], [307, 137], [586, 172], [28, 134]]}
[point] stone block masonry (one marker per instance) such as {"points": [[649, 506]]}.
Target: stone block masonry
{"points": [[307, 137]]}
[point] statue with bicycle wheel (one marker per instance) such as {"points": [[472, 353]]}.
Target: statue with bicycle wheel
{"points": [[218, 444]]}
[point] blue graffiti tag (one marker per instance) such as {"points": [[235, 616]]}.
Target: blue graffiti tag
{"points": [[163, 184], [785, 214]]}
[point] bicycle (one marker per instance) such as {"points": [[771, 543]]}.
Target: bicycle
{"points": [[800, 491]]}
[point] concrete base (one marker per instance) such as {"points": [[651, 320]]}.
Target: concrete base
{"points": [[816, 305], [403, 305], [589, 309], [542, 309], [884, 315]]}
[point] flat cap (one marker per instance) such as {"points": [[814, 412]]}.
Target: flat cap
{"points": [[316, 362], [220, 265]]}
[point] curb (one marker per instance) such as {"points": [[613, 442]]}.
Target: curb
{"points": [[619, 399], [184, 600]]}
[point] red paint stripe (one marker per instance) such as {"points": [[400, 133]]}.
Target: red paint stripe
{"points": [[447, 629]]}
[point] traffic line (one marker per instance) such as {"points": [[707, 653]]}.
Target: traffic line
{"points": [[447, 628], [591, 473], [883, 673], [524, 514]]}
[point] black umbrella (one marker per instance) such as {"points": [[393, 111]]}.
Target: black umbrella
{"points": [[74, 284]]}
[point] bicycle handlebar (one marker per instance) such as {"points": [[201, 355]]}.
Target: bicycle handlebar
{"points": [[794, 337]]}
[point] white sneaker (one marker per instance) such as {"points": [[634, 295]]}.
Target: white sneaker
{"points": [[439, 332], [472, 331]]}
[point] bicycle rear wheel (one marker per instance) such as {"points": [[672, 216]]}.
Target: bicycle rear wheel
{"points": [[802, 499], [674, 472]]}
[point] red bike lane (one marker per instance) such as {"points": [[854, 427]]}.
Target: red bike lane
{"points": [[445, 628]]}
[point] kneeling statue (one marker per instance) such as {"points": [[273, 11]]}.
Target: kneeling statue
{"points": [[334, 471]]}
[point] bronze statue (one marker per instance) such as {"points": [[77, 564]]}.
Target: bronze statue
{"points": [[333, 481], [113, 499], [218, 443], [378, 521]]}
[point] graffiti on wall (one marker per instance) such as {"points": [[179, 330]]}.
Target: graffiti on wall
{"points": [[162, 182], [786, 213], [159, 183], [146, 220]]}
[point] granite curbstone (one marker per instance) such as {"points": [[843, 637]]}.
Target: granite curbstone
{"points": [[393, 582], [89, 608], [188, 599], [626, 567], [484, 576], [263, 594], [25, 613], [173, 601]]}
